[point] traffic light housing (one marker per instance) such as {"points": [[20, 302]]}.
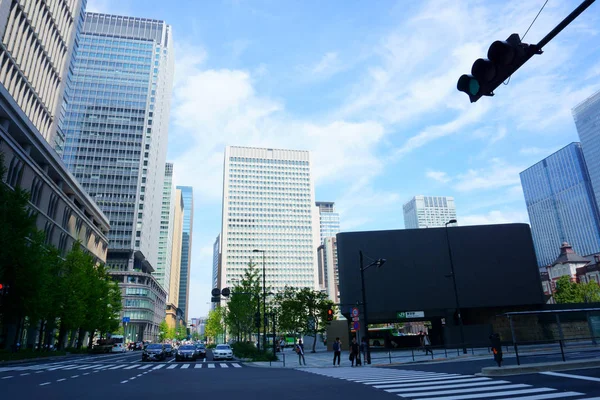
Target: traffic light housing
{"points": [[503, 59], [330, 314]]}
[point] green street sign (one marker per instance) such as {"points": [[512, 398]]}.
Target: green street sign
{"points": [[401, 315]]}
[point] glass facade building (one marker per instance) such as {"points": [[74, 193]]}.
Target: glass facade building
{"points": [[428, 212], [187, 194], [587, 122], [561, 205], [116, 125], [269, 204], [165, 240], [329, 220]]}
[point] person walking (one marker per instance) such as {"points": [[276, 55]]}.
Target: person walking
{"points": [[496, 348], [300, 351], [427, 343], [337, 351], [354, 351], [363, 349]]}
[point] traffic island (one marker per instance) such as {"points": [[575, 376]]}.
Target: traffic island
{"points": [[539, 367]]}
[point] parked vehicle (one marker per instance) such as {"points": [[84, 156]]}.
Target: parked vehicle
{"points": [[118, 344], [186, 352], [155, 351], [222, 352]]}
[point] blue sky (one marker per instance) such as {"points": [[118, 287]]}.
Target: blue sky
{"points": [[370, 89]]}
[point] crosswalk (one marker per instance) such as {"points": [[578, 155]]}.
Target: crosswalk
{"points": [[423, 385], [107, 367]]}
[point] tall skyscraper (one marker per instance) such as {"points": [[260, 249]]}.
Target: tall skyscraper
{"points": [[561, 204], [587, 121], [116, 127], [187, 195], [329, 219], [428, 212], [328, 268], [174, 313], [269, 205], [216, 266], [165, 240], [38, 39]]}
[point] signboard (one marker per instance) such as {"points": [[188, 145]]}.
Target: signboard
{"points": [[356, 325], [355, 319], [354, 311], [410, 314], [125, 319]]}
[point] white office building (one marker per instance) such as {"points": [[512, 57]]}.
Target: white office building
{"points": [[269, 204], [428, 212]]}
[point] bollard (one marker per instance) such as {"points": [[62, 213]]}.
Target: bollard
{"points": [[446, 352], [517, 354], [562, 350], [390, 356], [413, 354]]}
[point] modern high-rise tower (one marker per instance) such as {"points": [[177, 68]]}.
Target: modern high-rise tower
{"points": [[269, 205], [187, 193], [587, 121], [561, 204], [428, 212], [162, 271], [174, 313], [216, 266], [38, 39], [116, 127], [329, 220]]}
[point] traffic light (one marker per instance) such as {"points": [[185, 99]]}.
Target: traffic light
{"points": [[257, 320], [216, 295], [330, 314], [3, 289], [503, 59]]}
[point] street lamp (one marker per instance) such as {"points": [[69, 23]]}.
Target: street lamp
{"points": [[453, 275], [378, 263], [264, 298]]}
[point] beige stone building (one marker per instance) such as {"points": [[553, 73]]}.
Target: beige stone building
{"points": [[173, 297]]}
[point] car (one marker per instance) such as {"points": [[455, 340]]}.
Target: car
{"points": [[223, 352], [186, 352], [169, 350], [201, 350], [154, 351]]}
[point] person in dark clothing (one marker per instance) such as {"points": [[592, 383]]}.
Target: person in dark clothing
{"points": [[354, 351], [496, 348], [427, 343], [363, 349], [337, 351]]}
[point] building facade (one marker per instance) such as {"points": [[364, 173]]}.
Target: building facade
{"points": [[329, 220], [268, 205], [561, 204], [329, 261], [587, 122], [116, 127], [187, 194], [428, 212], [174, 313], [165, 240], [38, 40]]}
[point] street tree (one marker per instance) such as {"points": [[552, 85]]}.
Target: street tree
{"points": [[163, 331], [243, 304], [568, 291], [214, 323]]}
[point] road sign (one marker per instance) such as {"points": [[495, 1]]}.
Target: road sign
{"points": [[410, 314], [125, 319], [354, 311], [355, 319], [356, 325]]}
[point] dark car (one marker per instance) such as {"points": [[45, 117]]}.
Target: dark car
{"points": [[169, 350], [154, 351], [186, 352], [201, 349]]}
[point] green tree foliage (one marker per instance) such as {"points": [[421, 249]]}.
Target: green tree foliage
{"points": [[243, 304], [181, 332], [163, 331], [568, 291], [214, 323]]}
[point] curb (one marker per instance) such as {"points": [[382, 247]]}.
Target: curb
{"points": [[541, 367]]}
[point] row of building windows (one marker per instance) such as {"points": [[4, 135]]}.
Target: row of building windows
{"points": [[267, 161]]}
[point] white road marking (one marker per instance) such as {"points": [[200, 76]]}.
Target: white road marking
{"points": [[441, 385], [118, 366], [184, 366], [423, 381], [145, 366], [560, 395], [172, 366], [132, 366], [224, 365], [45, 383], [583, 377], [236, 365], [211, 365], [8, 377], [198, 366], [466, 390], [25, 374], [60, 380], [125, 381], [159, 366], [75, 376], [87, 373], [39, 372], [495, 394]]}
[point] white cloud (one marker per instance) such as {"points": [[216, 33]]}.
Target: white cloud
{"points": [[439, 176], [494, 217], [328, 64], [498, 174], [538, 151]]}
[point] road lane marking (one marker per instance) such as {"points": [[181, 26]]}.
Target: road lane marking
{"points": [[118, 366], [125, 381], [184, 366], [198, 366], [172, 366], [453, 383], [60, 380], [224, 365], [7, 377], [560, 395], [211, 365], [25, 374], [87, 373], [60, 367], [132, 366], [159, 366], [39, 372], [496, 394], [583, 377], [75, 376], [435, 392], [139, 375], [236, 365], [45, 383], [145, 366]]}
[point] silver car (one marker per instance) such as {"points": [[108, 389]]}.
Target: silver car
{"points": [[223, 352]]}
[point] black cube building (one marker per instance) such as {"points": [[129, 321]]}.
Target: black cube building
{"points": [[495, 269]]}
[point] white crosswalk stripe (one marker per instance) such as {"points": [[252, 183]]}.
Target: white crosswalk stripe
{"points": [[420, 385], [112, 367]]}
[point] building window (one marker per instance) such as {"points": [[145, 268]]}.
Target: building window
{"points": [[37, 187], [48, 231], [62, 243], [15, 172], [66, 218], [52, 206]]}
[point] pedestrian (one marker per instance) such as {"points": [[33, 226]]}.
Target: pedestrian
{"points": [[427, 343], [496, 348], [300, 351], [354, 351], [282, 344], [363, 349], [337, 351], [421, 341]]}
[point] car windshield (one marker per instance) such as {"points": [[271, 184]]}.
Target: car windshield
{"points": [[154, 346], [168, 346], [187, 347], [200, 346], [223, 347]]}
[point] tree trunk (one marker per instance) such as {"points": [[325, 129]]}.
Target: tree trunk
{"points": [[80, 338], [91, 341], [314, 346], [42, 332], [62, 335]]}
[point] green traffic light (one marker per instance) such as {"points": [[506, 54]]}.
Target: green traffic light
{"points": [[474, 87]]}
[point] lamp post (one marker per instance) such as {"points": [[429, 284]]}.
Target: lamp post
{"points": [[264, 298], [379, 263], [460, 321]]}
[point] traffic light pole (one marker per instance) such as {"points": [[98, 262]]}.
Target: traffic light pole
{"points": [[563, 24]]}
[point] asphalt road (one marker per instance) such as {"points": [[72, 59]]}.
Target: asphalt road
{"points": [[117, 376]]}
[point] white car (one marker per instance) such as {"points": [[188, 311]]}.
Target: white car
{"points": [[222, 352]]}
